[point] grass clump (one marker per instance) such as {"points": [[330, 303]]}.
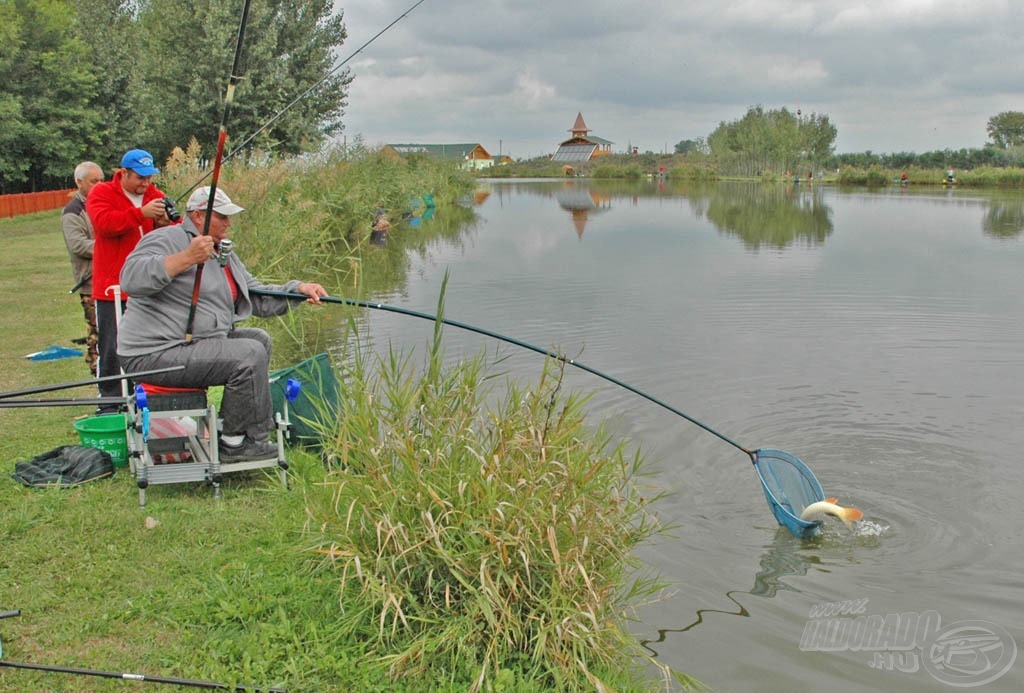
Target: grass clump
{"points": [[488, 545]]}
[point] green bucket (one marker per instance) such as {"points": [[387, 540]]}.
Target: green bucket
{"points": [[107, 432]]}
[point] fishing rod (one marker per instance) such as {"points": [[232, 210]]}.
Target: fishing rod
{"points": [[67, 402], [91, 381], [510, 340], [788, 483], [126, 676], [129, 676], [222, 137], [308, 91]]}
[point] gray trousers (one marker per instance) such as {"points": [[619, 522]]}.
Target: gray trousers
{"points": [[240, 362]]}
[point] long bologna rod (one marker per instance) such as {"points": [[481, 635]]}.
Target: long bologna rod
{"points": [[310, 90], [120, 675], [510, 340], [69, 402], [126, 676], [222, 137], [83, 383]]}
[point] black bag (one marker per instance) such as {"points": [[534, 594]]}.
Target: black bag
{"points": [[66, 466]]}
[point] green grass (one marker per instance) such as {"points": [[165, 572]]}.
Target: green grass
{"points": [[474, 541]]}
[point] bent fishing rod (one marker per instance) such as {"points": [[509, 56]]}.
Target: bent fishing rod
{"points": [[222, 137], [308, 91], [510, 340]]}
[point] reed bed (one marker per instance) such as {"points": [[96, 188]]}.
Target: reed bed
{"points": [[317, 211], [480, 538], [982, 177]]}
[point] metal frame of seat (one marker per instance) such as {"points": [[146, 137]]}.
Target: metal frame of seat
{"points": [[203, 463], [199, 449]]}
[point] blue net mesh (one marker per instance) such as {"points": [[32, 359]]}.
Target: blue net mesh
{"points": [[789, 486]]}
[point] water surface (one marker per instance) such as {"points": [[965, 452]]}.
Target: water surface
{"points": [[879, 336]]}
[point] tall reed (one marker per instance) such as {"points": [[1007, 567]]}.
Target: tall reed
{"points": [[484, 539], [317, 212]]}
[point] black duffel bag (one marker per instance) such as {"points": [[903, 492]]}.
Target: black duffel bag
{"points": [[66, 466]]}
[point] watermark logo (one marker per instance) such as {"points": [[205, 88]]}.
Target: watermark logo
{"points": [[962, 654]]}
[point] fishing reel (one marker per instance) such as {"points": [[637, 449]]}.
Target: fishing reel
{"points": [[171, 210], [222, 251]]}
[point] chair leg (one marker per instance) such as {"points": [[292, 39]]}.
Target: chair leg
{"points": [[214, 441], [282, 427]]}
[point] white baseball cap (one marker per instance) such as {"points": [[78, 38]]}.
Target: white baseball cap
{"points": [[200, 199]]}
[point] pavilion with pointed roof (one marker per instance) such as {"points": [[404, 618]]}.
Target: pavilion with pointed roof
{"points": [[582, 146]]}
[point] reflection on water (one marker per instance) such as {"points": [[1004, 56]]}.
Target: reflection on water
{"points": [[1004, 218], [770, 215], [581, 201], [760, 215], [787, 555]]}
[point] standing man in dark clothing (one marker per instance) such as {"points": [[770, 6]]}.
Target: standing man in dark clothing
{"points": [[78, 237], [122, 210]]}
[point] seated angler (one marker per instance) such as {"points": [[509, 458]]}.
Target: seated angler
{"points": [[159, 275]]}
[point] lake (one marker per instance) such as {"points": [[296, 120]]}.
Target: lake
{"points": [[877, 335]]}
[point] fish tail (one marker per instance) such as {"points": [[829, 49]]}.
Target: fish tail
{"points": [[850, 515]]}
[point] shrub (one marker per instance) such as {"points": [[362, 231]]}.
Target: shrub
{"points": [[482, 544]]}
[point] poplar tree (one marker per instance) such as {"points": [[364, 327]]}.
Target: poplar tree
{"points": [[46, 117], [289, 46]]}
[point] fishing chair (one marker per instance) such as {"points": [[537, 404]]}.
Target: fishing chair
{"points": [[172, 439]]}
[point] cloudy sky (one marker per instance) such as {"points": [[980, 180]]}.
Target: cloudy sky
{"points": [[892, 75]]}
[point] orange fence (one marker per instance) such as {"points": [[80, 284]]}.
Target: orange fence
{"points": [[28, 203]]}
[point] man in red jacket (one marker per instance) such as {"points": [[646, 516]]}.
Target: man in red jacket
{"points": [[122, 211]]}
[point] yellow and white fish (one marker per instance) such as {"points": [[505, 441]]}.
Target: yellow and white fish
{"points": [[828, 508]]}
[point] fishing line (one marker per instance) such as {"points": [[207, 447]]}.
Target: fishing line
{"points": [[308, 91]]}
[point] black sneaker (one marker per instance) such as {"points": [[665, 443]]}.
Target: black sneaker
{"points": [[247, 450]]}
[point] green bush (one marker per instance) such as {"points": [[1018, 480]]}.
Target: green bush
{"points": [[482, 543]]}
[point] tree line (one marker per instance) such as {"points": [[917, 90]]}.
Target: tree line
{"points": [[776, 141], [90, 79], [779, 141]]}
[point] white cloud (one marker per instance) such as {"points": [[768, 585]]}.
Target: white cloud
{"points": [[533, 92], [893, 75]]}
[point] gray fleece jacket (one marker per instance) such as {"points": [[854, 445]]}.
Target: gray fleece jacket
{"points": [[157, 312]]}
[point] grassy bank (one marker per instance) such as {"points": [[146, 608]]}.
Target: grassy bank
{"points": [[448, 545], [697, 167]]}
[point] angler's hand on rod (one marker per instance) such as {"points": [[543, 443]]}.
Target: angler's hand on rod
{"points": [[313, 292], [197, 252]]}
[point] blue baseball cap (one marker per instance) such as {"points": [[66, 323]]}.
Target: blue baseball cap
{"points": [[140, 161]]}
